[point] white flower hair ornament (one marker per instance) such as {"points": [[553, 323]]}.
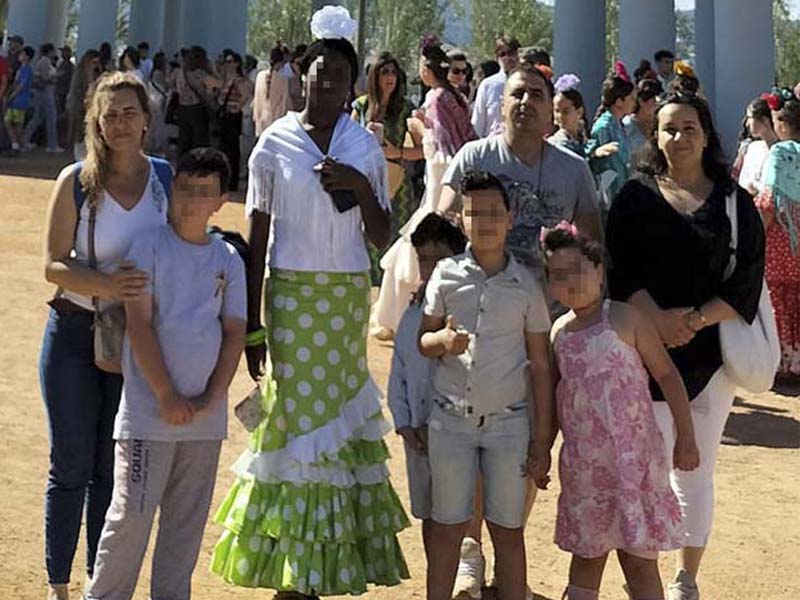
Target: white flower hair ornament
{"points": [[568, 81], [333, 22]]}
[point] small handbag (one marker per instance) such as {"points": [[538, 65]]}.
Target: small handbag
{"points": [[109, 323], [751, 353]]}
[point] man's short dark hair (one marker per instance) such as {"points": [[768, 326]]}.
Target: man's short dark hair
{"points": [[29, 51], [529, 69], [536, 56], [16, 38], [505, 41], [201, 162], [473, 181], [662, 54], [439, 230], [143, 46]]}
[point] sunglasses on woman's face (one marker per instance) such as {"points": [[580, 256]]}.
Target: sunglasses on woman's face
{"points": [[457, 71], [388, 71]]}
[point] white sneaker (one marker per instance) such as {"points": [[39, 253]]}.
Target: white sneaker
{"points": [[55, 150], [471, 567], [684, 587], [15, 147], [28, 147]]}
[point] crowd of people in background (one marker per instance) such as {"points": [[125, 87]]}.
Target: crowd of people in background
{"points": [[486, 194]]}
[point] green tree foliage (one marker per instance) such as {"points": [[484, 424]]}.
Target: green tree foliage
{"points": [[273, 20], [787, 44], [612, 33], [684, 35], [399, 25], [528, 21]]}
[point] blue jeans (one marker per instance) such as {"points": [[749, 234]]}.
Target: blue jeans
{"points": [[495, 445], [81, 403], [44, 111]]}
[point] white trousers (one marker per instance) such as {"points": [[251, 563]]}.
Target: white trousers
{"points": [[695, 489]]}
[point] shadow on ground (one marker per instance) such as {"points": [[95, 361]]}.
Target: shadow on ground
{"points": [[763, 426]]}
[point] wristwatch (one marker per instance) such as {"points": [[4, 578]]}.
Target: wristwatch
{"points": [[697, 314]]}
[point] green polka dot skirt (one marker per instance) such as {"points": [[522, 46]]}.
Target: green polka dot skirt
{"points": [[312, 509]]}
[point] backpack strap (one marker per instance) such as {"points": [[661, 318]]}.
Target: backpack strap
{"points": [[77, 190], [164, 173]]}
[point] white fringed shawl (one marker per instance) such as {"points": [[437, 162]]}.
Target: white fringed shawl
{"points": [[307, 232]]}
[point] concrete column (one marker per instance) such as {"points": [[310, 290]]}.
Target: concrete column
{"points": [[147, 23], [744, 51], [229, 27], [57, 22], [645, 26], [704, 47], [97, 24], [196, 22], [579, 37], [28, 18], [171, 35]]}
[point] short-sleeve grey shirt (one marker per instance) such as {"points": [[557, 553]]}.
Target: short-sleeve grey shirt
{"points": [[193, 287], [497, 311], [558, 188]]}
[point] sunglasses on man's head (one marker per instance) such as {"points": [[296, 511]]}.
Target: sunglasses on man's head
{"points": [[457, 71]]}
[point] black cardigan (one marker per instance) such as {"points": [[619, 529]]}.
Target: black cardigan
{"points": [[681, 259]]}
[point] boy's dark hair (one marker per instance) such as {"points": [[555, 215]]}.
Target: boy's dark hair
{"points": [[481, 180], [29, 51], [205, 161], [143, 46], [662, 54], [557, 239], [438, 229]]}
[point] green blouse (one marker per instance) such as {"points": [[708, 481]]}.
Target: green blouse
{"points": [[394, 129]]}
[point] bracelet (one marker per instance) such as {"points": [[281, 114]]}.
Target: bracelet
{"points": [[256, 338]]}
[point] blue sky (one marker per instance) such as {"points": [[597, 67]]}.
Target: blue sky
{"points": [[689, 4]]}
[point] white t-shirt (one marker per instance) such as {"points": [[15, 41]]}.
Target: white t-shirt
{"points": [[754, 158], [115, 229], [193, 287]]}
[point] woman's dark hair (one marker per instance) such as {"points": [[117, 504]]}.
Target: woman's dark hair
{"points": [[132, 54], [759, 108], [201, 162], [456, 54], [436, 60], [790, 114], [715, 166], [473, 181], [614, 88], [196, 58], [160, 62], [643, 71], [237, 60], [105, 53], [575, 97], [558, 239], [646, 90], [46, 49], [439, 230], [340, 46], [276, 55], [250, 62], [374, 92], [685, 84], [489, 68]]}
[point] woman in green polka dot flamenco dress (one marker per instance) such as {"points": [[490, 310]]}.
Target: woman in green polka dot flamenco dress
{"points": [[312, 512]]}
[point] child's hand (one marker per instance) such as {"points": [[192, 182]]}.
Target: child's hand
{"points": [[200, 402], [454, 339], [537, 466], [672, 327], [176, 409], [686, 456]]}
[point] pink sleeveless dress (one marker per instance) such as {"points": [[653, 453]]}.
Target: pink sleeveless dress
{"points": [[615, 490]]}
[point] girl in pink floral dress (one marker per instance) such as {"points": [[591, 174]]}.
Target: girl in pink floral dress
{"points": [[615, 491]]}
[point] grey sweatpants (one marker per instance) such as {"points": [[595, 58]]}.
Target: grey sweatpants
{"points": [[179, 478]]}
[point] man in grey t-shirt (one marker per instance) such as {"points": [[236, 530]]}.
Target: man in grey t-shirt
{"points": [[546, 184]]}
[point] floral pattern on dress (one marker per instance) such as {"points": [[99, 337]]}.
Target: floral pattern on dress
{"points": [[615, 490]]}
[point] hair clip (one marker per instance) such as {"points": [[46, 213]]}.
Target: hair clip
{"points": [[568, 81], [621, 72], [563, 226], [684, 69]]}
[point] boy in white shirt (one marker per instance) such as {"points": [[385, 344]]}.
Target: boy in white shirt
{"points": [[409, 382], [184, 337]]}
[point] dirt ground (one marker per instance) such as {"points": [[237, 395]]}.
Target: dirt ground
{"points": [[753, 553]]}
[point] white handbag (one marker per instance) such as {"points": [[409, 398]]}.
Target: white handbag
{"points": [[751, 354]]}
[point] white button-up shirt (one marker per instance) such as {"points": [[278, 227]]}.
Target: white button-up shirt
{"points": [[486, 117], [497, 311]]}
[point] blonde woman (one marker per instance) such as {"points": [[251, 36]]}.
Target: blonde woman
{"points": [[127, 193]]}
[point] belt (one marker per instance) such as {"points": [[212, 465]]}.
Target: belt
{"points": [[447, 406], [64, 306]]}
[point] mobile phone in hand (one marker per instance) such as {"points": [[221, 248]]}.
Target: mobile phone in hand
{"points": [[344, 200]]}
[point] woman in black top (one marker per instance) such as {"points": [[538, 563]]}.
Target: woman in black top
{"points": [[669, 239]]}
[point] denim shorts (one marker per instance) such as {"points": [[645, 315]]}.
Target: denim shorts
{"points": [[419, 482], [496, 444]]}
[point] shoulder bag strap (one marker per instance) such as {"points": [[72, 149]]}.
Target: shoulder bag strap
{"points": [[92, 255], [731, 210]]}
